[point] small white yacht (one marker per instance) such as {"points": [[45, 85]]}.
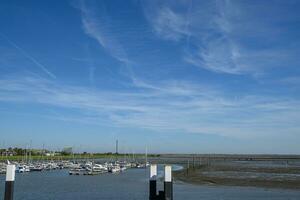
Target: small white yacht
{"points": [[77, 171], [114, 168], [21, 169]]}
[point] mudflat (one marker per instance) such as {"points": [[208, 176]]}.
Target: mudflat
{"points": [[242, 175]]}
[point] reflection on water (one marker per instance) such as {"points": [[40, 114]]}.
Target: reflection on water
{"points": [[133, 184]]}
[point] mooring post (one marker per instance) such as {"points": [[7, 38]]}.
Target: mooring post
{"points": [[9, 183], [153, 175], [168, 184], [188, 167]]}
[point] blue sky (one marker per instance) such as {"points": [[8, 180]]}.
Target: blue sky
{"points": [[175, 76]]}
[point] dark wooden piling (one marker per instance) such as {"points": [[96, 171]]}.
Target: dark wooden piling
{"points": [[168, 183], [152, 182], [9, 183]]}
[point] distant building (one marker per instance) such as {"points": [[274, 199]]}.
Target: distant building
{"points": [[67, 151], [49, 154]]}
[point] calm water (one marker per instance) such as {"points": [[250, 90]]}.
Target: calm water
{"points": [[133, 184]]}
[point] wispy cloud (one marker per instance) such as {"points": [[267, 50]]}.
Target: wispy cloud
{"points": [[176, 106], [219, 55], [97, 24], [221, 34], [168, 24], [28, 56]]}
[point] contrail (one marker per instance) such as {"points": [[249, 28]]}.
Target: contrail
{"points": [[32, 59]]}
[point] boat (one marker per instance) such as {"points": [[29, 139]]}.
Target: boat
{"points": [[27, 169], [77, 171], [123, 168], [37, 168], [114, 168], [20, 169], [96, 167], [2, 168], [99, 167]]}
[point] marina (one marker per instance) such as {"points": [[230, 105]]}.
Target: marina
{"points": [[129, 179], [132, 185], [74, 168], [114, 164]]}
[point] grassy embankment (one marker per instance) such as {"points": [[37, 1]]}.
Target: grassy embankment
{"points": [[71, 157]]}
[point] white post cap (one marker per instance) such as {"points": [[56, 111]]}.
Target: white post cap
{"points": [[168, 173], [153, 171], [10, 172]]}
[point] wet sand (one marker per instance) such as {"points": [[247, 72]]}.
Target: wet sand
{"points": [[239, 175]]}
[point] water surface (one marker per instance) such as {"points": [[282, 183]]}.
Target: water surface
{"points": [[130, 185]]}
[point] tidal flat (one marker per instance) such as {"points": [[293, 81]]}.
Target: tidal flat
{"points": [[264, 174]]}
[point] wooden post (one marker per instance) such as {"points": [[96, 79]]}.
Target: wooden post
{"points": [[152, 182], [193, 162], [9, 183], [168, 183]]}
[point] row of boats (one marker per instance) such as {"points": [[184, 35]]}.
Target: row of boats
{"points": [[22, 167], [75, 168], [90, 168]]}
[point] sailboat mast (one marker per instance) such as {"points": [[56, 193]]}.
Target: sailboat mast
{"points": [[117, 147], [146, 155]]}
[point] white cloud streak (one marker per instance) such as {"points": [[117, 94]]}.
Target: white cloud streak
{"points": [[28, 56], [173, 106], [97, 25]]}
